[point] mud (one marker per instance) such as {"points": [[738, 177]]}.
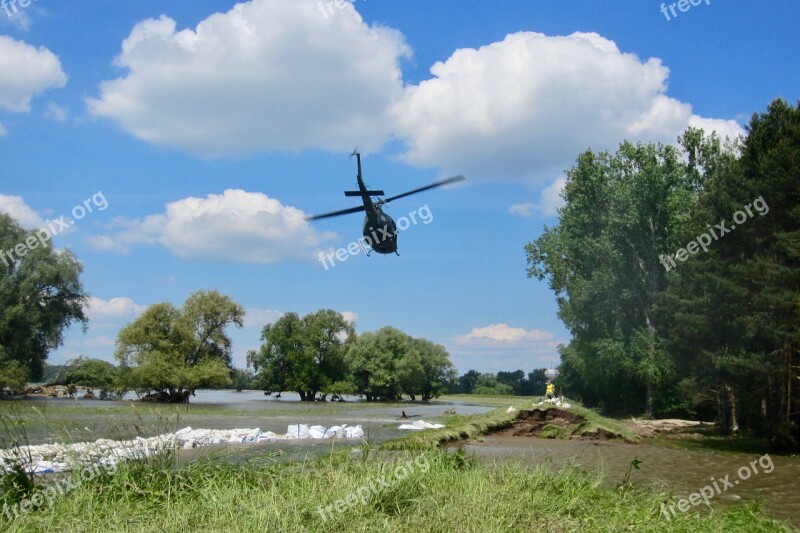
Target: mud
{"points": [[554, 424]]}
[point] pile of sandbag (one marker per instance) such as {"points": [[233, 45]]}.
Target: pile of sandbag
{"points": [[47, 458], [421, 424], [557, 402]]}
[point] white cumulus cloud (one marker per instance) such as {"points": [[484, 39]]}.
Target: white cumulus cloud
{"points": [[503, 347], [236, 226], [523, 108], [499, 334], [258, 318], [266, 75], [26, 71], [20, 211], [350, 316], [119, 307]]}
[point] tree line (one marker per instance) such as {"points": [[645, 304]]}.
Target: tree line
{"points": [[677, 272], [320, 355], [502, 383]]}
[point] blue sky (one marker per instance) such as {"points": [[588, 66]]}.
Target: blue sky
{"points": [[210, 130]]}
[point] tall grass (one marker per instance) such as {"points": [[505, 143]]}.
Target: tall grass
{"points": [[455, 493]]}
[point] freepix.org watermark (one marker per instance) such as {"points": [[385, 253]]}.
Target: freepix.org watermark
{"points": [[367, 491], [356, 247], [704, 239], [718, 486], [59, 488], [10, 6], [53, 228], [682, 5], [327, 7]]}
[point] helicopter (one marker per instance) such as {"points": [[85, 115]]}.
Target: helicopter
{"points": [[380, 230]]}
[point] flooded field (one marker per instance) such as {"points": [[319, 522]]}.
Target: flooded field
{"points": [[51, 420], [679, 470], [682, 471]]}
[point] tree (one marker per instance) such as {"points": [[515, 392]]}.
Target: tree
{"points": [[175, 351], [512, 379], [372, 360], [468, 381], [604, 262], [40, 295], [388, 363], [736, 306], [305, 355], [92, 373], [489, 385], [437, 370], [242, 379]]}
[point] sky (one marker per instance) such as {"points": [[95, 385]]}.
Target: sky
{"points": [[184, 144]]}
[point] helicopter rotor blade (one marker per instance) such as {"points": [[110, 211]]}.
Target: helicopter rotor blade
{"points": [[337, 213], [425, 188]]}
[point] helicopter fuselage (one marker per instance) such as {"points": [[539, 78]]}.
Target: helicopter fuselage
{"points": [[380, 231]]}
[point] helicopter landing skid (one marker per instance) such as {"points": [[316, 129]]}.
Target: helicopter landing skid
{"points": [[363, 247]]}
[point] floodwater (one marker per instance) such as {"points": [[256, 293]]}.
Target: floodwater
{"points": [[76, 420], [676, 471]]}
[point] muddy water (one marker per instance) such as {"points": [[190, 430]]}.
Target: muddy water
{"points": [[680, 471], [72, 420]]}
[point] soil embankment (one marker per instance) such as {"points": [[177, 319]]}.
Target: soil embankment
{"points": [[555, 423]]}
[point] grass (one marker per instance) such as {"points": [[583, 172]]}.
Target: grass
{"points": [[445, 491], [257, 491], [457, 427], [595, 422], [468, 427], [708, 439]]}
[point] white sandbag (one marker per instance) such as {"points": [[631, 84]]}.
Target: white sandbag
{"points": [[318, 432], [354, 432], [420, 424], [298, 431]]}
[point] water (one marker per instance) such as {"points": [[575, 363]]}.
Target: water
{"points": [[76, 420], [678, 471]]}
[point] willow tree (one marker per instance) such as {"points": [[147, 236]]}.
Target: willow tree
{"points": [[174, 351], [388, 363], [304, 355], [40, 296]]}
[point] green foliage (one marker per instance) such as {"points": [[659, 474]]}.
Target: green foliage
{"points": [[716, 335], [175, 351], [602, 260], [40, 296], [54, 374], [13, 376], [305, 355], [501, 383], [91, 373], [388, 363], [242, 379]]}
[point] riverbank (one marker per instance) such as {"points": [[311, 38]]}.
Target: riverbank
{"points": [[363, 491], [509, 481]]}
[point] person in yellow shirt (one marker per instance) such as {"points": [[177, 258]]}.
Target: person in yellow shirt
{"points": [[551, 390]]}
